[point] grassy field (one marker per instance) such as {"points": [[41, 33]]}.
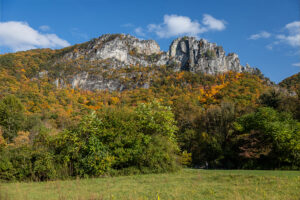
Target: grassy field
{"points": [[186, 184]]}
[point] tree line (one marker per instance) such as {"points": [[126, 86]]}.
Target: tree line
{"points": [[150, 138]]}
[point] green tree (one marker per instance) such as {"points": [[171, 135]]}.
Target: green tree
{"points": [[120, 141], [276, 137], [11, 116], [158, 125], [213, 136], [80, 149], [271, 98]]}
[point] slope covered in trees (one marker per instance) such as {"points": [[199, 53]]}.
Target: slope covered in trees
{"points": [[292, 83], [51, 130]]}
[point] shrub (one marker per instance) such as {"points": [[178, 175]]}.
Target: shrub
{"points": [[11, 116], [112, 141], [120, 139], [44, 167], [7, 170], [186, 158], [272, 137], [210, 54]]}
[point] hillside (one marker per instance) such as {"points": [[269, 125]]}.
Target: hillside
{"points": [[107, 62], [291, 83], [120, 69], [118, 105]]}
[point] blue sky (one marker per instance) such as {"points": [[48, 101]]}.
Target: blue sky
{"points": [[264, 33]]}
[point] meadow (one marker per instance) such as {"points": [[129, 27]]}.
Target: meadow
{"points": [[185, 184]]}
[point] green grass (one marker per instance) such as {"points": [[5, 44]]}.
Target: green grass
{"points": [[186, 184]]}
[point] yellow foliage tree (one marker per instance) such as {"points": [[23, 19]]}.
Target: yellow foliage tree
{"points": [[114, 100], [22, 138], [2, 140]]}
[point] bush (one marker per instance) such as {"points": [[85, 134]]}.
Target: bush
{"points": [[120, 139], [210, 54], [44, 166], [112, 141], [186, 158], [7, 170], [271, 137], [11, 116]]}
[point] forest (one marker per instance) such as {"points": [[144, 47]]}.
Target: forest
{"points": [[184, 119]]}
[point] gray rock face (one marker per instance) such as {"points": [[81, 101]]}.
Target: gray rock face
{"points": [[120, 51], [188, 53], [91, 82], [185, 53]]}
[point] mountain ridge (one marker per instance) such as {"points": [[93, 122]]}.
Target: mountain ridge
{"points": [[125, 48], [111, 53]]}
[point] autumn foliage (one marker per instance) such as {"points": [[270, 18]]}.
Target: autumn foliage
{"points": [[197, 120]]}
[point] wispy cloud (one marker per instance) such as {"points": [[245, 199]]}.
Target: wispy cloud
{"points": [[269, 46], [20, 36], [139, 31], [262, 34], [44, 28], [213, 23], [296, 64], [175, 25], [292, 37]]}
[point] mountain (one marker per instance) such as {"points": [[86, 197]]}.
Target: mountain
{"points": [[291, 83], [124, 93], [104, 62], [49, 92], [185, 53], [114, 69], [62, 85]]}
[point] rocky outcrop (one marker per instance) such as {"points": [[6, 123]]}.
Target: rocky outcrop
{"points": [[188, 53], [112, 52], [121, 50], [185, 53]]}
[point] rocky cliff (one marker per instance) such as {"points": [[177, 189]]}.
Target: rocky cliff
{"points": [[121, 50], [194, 55], [101, 57]]}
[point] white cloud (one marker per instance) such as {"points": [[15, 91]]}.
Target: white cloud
{"points": [[213, 23], [269, 46], [292, 40], [20, 36], [174, 25], [262, 34], [139, 31], [44, 28], [294, 27], [296, 64], [292, 37], [272, 45]]}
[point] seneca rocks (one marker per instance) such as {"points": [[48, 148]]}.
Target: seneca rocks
{"points": [[122, 50], [119, 51], [202, 56]]}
